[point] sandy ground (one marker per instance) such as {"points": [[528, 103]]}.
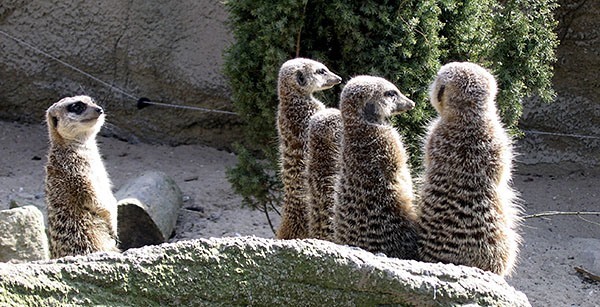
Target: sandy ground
{"points": [[551, 248]]}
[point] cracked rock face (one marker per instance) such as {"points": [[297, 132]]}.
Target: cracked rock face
{"points": [[251, 271], [167, 52]]}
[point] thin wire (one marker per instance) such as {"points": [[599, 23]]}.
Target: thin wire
{"points": [[205, 109], [67, 64], [188, 107], [30, 46], [562, 134]]}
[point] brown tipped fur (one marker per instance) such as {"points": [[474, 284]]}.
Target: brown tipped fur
{"points": [[298, 80], [81, 207], [322, 170], [374, 208], [468, 212]]}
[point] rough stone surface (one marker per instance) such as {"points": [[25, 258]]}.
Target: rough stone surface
{"points": [[576, 111], [250, 271], [165, 51], [23, 200], [23, 235], [172, 52], [148, 209]]}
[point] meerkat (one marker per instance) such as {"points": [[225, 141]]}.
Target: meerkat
{"points": [[374, 200], [82, 211], [298, 79], [322, 169], [467, 207]]}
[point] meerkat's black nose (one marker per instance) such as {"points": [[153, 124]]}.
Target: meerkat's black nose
{"points": [[99, 110]]}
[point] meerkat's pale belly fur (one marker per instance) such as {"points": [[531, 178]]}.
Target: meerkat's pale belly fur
{"points": [[468, 213], [374, 207], [82, 211]]}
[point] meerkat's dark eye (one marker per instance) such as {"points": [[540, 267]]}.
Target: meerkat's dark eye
{"points": [[76, 107], [391, 93], [321, 71]]}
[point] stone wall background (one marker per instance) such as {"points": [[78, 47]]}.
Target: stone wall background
{"points": [[166, 51], [576, 110], [172, 52]]}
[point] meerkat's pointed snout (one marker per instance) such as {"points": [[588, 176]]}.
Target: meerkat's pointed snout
{"points": [[403, 104], [333, 80]]}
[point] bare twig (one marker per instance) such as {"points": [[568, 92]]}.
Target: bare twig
{"points": [[591, 222], [298, 35], [272, 203], [553, 213], [587, 274], [269, 218]]}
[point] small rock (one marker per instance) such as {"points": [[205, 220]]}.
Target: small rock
{"points": [[23, 235], [148, 207], [23, 200]]}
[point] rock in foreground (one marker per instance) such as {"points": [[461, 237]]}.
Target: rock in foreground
{"points": [[250, 271], [23, 235]]}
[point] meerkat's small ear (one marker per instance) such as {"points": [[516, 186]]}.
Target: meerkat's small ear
{"points": [[54, 121], [300, 78], [440, 93]]}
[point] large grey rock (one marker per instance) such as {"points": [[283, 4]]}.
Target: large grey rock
{"points": [[23, 235], [166, 51], [148, 207], [250, 271]]}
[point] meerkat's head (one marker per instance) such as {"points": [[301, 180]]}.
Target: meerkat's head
{"points": [[372, 99], [462, 86], [306, 76], [75, 118]]}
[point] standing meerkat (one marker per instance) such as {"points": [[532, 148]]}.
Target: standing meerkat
{"points": [[468, 212], [298, 79], [82, 211], [374, 208], [322, 170]]}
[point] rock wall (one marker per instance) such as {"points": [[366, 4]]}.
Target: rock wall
{"points": [[172, 52], [570, 127], [166, 51], [249, 271]]}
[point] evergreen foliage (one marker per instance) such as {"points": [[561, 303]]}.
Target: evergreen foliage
{"points": [[402, 41]]}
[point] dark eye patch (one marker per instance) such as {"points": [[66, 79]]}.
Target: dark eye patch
{"points": [[321, 71], [76, 107], [371, 113], [390, 93], [441, 92], [300, 78]]}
